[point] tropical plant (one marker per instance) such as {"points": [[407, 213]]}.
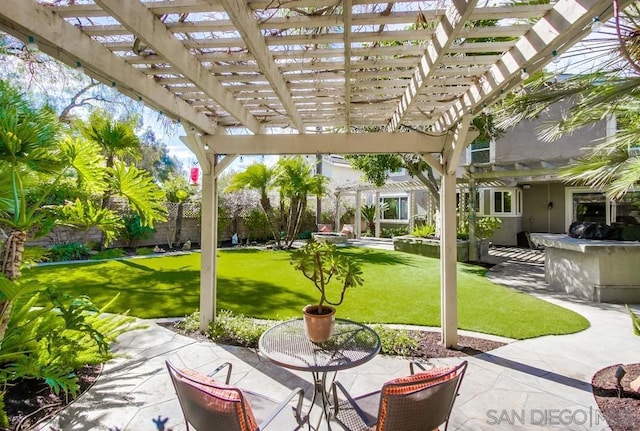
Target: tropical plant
{"points": [[31, 152], [424, 231], [321, 262], [261, 178], [484, 227], [117, 142], [610, 91], [296, 181], [51, 335], [83, 215], [116, 139], [369, 214], [256, 223], [65, 252], [177, 190], [134, 230]]}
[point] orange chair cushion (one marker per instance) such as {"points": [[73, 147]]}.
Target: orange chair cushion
{"points": [[422, 380], [223, 398], [325, 228]]}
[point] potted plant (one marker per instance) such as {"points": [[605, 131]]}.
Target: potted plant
{"points": [[322, 263]]}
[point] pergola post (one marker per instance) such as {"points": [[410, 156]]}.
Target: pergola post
{"points": [[378, 215], [448, 261], [473, 249], [358, 221], [208, 245], [456, 143]]}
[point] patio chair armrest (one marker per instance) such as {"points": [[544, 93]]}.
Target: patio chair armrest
{"points": [[415, 364], [364, 417], [220, 368], [297, 392]]}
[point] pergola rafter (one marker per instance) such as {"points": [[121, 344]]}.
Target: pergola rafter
{"points": [[322, 67]]}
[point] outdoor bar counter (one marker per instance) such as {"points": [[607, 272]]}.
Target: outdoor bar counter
{"points": [[601, 271]]}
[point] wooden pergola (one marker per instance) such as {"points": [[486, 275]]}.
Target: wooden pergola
{"points": [[237, 73]]}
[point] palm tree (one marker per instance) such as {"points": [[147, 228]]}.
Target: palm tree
{"points": [[29, 142], [118, 141], [116, 138], [297, 181], [612, 90], [259, 177]]}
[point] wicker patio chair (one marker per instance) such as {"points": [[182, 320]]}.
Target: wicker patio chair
{"points": [[212, 405], [419, 402]]}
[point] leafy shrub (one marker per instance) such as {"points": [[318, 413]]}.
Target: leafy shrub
{"points": [[110, 253], [396, 341], [50, 335], [257, 224], [485, 226], [191, 322], [236, 329], [391, 232], [229, 328], [144, 251], [424, 231], [71, 251], [304, 234], [134, 231]]}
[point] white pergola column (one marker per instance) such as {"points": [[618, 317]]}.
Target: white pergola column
{"points": [[358, 224], [378, 215], [412, 209], [456, 143], [448, 261], [208, 245], [473, 249]]}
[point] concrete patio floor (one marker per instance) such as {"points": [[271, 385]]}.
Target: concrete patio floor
{"points": [[542, 383]]}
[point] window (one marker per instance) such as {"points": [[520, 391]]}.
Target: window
{"points": [[480, 151], [502, 202], [499, 202], [397, 208]]}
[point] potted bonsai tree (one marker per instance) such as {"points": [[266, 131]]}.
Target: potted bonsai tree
{"points": [[322, 263]]}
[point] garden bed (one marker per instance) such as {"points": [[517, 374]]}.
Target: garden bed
{"points": [[428, 247]]}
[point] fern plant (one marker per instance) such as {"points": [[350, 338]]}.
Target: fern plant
{"points": [[51, 335]]}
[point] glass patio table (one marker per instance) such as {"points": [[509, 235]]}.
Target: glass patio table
{"points": [[351, 344]]}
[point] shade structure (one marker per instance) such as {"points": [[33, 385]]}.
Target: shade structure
{"points": [[310, 67]]}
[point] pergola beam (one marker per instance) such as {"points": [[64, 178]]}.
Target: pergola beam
{"points": [[246, 25], [445, 33], [138, 19], [68, 44], [346, 21], [344, 143], [562, 26]]}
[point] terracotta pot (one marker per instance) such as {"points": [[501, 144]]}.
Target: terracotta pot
{"points": [[318, 327]]}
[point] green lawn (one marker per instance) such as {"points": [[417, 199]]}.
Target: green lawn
{"points": [[398, 288]]}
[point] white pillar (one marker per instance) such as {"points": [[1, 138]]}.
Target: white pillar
{"points": [[358, 225], [208, 245], [448, 257], [412, 210], [473, 249], [336, 220], [378, 215]]}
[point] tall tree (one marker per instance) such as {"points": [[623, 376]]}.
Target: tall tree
{"points": [[155, 158], [376, 167], [260, 178], [612, 90], [296, 181], [30, 142]]}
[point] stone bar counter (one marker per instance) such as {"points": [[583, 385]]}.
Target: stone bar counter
{"points": [[601, 271]]}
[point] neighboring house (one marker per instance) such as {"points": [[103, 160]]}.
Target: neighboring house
{"points": [[516, 179]]}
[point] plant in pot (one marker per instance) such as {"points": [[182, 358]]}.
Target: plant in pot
{"points": [[322, 263]]}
